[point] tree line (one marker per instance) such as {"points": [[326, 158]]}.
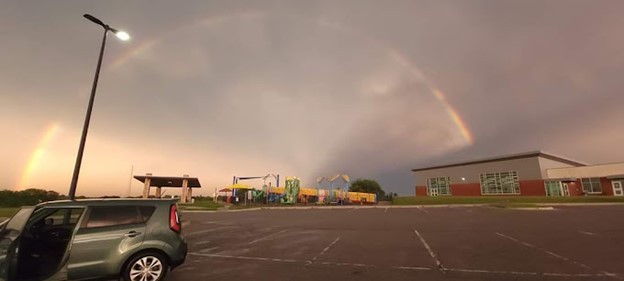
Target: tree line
{"points": [[370, 186], [27, 197]]}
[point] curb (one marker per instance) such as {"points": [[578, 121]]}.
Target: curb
{"points": [[540, 206], [581, 204], [530, 208], [220, 210], [240, 210]]}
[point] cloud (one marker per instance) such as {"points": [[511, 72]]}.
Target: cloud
{"points": [[310, 88]]}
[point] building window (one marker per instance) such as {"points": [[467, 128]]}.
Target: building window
{"points": [[553, 188], [500, 183], [439, 186], [591, 185]]}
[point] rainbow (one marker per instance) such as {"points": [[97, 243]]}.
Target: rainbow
{"points": [[460, 124], [455, 117], [453, 114], [37, 155]]}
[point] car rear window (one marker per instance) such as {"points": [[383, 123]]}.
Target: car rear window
{"points": [[102, 216], [146, 212]]}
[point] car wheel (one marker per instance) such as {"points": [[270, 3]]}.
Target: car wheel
{"points": [[148, 266]]}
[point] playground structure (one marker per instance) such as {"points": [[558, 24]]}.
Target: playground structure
{"points": [[254, 194], [292, 192]]}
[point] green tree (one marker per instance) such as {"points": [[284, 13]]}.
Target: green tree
{"points": [[28, 197], [368, 186]]}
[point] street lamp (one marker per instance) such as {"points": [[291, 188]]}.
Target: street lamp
{"points": [[123, 36]]}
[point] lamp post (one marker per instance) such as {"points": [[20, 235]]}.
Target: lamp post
{"points": [[123, 36]]}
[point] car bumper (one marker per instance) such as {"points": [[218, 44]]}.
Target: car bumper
{"points": [[179, 260]]}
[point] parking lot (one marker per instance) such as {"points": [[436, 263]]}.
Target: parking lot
{"points": [[428, 243]]}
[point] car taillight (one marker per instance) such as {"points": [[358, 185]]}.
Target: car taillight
{"points": [[174, 219]]}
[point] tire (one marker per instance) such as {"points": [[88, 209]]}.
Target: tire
{"points": [[146, 266]]}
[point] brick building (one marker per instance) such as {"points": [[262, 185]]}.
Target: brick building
{"points": [[526, 174]]}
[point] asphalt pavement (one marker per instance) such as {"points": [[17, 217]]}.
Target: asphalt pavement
{"points": [[424, 243]]}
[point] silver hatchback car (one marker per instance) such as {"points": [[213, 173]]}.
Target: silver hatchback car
{"points": [[136, 240]]}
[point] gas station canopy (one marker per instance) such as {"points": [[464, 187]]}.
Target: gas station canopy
{"points": [[169, 181]]}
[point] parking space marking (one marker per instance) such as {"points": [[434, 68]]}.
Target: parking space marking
{"points": [[588, 233], [299, 261], [551, 274], [431, 253], [422, 210], [571, 275], [218, 223], [386, 210], [267, 237], [205, 231], [413, 268], [492, 271], [202, 242], [324, 250], [544, 250], [208, 249], [345, 264], [242, 257]]}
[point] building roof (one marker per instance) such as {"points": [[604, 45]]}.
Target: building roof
{"points": [[505, 158], [169, 181]]}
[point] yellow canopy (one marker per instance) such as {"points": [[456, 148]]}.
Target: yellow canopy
{"points": [[308, 191], [240, 186]]}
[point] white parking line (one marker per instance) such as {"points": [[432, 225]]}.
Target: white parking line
{"points": [[413, 268], [242, 257], [202, 242], [209, 249], [571, 275], [386, 210], [491, 271], [551, 274], [324, 250], [422, 210], [205, 231], [588, 233], [218, 223], [346, 264], [431, 253], [544, 250], [266, 237]]}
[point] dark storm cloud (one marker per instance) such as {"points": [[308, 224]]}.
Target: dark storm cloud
{"points": [[307, 88]]}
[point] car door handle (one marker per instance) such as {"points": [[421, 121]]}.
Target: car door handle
{"points": [[132, 234]]}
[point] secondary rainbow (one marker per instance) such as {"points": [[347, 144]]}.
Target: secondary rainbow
{"points": [[37, 155]]}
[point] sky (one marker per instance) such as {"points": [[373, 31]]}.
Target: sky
{"points": [[372, 89]]}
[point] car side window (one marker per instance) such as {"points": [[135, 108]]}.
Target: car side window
{"points": [[64, 217], [102, 216]]}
